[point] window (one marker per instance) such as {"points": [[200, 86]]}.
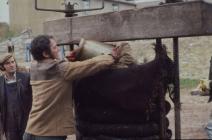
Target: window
{"points": [[115, 6], [86, 5]]}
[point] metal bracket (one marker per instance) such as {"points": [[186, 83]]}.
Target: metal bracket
{"points": [[69, 9], [69, 43]]}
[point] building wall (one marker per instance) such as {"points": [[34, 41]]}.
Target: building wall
{"points": [[18, 12], [4, 28], [38, 17], [23, 15], [149, 3]]}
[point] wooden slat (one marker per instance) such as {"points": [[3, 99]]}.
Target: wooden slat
{"points": [[170, 20]]}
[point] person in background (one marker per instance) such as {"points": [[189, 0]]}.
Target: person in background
{"points": [[10, 46], [51, 116], [15, 98]]}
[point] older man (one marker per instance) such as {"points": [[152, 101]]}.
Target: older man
{"points": [[15, 98]]}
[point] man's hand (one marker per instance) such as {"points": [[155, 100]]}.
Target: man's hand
{"points": [[116, 53], [74, 55]]}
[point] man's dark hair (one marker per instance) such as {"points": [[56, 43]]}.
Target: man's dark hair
{"points": [[39, 45]]}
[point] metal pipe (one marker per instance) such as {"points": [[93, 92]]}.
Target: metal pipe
{"points": [[42, 9], [162, 103], [69, 11], [177, 105], [69, 43]]}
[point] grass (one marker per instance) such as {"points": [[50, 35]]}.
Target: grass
{"points": [[188, 83]]}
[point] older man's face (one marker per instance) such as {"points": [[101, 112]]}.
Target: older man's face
{"points": [[10, 65]]}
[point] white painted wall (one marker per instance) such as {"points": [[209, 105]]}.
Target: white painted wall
{"points": [[4, 11]]}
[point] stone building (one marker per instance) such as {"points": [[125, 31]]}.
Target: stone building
{"points": [[28, 22], [23, 14], [4, 28]]}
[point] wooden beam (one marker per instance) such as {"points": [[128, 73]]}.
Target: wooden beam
{"points": [[165, 21]]}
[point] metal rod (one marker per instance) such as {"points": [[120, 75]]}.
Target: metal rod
{"points": [[161, 103], [210, 70], [68, 43], [70, 11], [158, 42], [177, 105], [42, 9]]}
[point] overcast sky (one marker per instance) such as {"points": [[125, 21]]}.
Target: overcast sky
{"points": [[4, 11]]}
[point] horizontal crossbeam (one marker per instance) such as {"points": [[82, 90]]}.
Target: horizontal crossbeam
{"points": [[164, 21]]}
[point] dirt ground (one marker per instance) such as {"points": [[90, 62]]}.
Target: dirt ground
{"points": [[194, 116]]}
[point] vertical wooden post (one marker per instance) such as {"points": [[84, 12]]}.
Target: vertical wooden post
{"points": [[177, 105], [161, 103]]}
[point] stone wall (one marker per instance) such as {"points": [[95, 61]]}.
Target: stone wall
{"points": [[194, 55]]}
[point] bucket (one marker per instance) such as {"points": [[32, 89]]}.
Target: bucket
{"points": [[93, 48]]}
